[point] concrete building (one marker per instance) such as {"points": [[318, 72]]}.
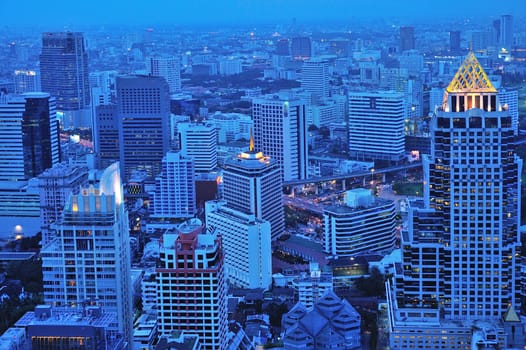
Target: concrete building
{"points": [[280, 131], [106, 135], [191, 285], [199, 141], [376, 125], [363, 224], [55, 185], [252, 184], [89, 260], [87, 327], [407, 38], [29, 137], [26, 81], [143, 110], [301, 48], [167, 67], [458, 284], [312, 286], [174, 195], [331, 324], [315, 78], [246, 244]]}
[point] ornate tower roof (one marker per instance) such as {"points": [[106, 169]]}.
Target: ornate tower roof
{"points": [[470, 77]]}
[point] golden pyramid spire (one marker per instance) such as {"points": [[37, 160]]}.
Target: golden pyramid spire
{"points": [[251, 144], [470, 77]]}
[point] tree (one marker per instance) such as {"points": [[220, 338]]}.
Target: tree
{"points": [[372, 285]]}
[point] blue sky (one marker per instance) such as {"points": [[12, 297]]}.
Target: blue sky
{"points": [[81, 12]]}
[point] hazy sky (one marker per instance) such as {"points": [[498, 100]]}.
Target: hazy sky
{"points": [[81, 12]]}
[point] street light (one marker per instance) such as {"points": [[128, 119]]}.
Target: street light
{"points": [[372, 177]]}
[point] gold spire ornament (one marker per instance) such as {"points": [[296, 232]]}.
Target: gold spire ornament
{"points": [[470, 77]]}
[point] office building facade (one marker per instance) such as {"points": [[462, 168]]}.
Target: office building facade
{"points": [[315, 78], [167, 67], [199, 141], [407, 38]]}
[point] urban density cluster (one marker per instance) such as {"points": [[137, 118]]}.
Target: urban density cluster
{"points": [[289, 187]]}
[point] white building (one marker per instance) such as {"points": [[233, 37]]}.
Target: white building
{"points": [[26, 81], [280, 131], [231, 126], [199, 141], [191, 285], [89, 260], [376, 125], [167, 67], [311, 287], [363, 224], [315, 78], [230, 66], [246, 244], [252, 184], [174, 195]]}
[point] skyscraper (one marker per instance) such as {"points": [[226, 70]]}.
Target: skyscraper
{"points": [[167, 67], [407, 38], [283, 47], [459, 276], [64, 72], [252, 185], [29, 135], [26, 81], [106, 135], [89, 260], [454, 41], [315, 78], [191, 285], [376, 125], [506, 32], [143, 110], [174, 195], [280, 132]]}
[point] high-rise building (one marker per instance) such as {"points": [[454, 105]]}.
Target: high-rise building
{"points": [[315, 78], [191, 285], [454, 41], [106, 135], [143, 110], [407, 38], [246, 243], [29, 137], [89, 260], [376, 125], [506, 32], [509, 100], [55, 185], [280, 132], [252, 184], [458, 282], [283, 47], [174, 195], [64, 73], [26, 81], [363, 224], [301, 48], [167, 67], [199, 141]]}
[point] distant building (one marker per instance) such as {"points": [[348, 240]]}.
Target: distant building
{"points": [[454, 41], [89, 260], [167, 67], [301, 48], [315, 78], [144, 117], [199, 141], [174, 195], [363, 224], [26, 81], [280, 131], [312, 286], [64, 75], [246, 243], [376, 125], [331, 324], [506, 32], [84, 328], [191, 285], [283, 47], [230, 66], [407, 38], [106, 135], [29, 137]]}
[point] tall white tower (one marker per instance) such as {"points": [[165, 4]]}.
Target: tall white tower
{"points": [[280, 132], [315, 78], [89, 260], [199, 141]]}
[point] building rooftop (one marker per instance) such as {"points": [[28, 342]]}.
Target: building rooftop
{"points": [[470, 77]]}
